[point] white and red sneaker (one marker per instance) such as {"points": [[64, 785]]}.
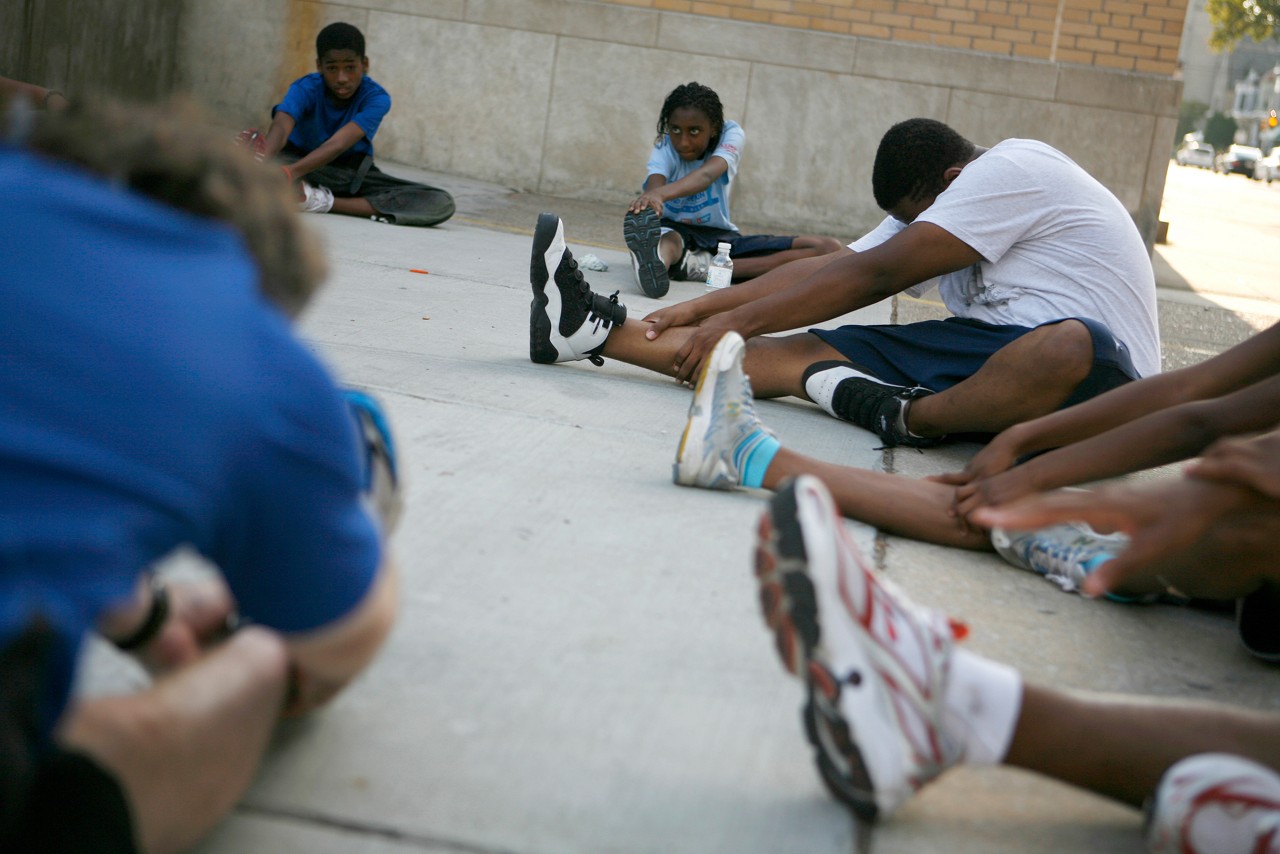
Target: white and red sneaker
{"points": [[876, 664], [1215, 803]]}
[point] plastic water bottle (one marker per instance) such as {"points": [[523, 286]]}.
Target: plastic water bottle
{"points": [[720, 270]]}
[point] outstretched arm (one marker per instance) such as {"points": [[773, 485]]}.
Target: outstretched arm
{"points": [[1241, 366], [1210, 540], [838, 283], [1163, 437], [341, 142], [48, 99], [657, 192]]}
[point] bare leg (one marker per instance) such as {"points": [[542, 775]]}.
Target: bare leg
{"points": [[1119, 747], [186, 749], [354, 206], [919, 509], [1031, 377], [804, 246], [775, 365], [670, 248]]}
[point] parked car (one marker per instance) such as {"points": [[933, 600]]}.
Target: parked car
{"points": [[1268, 168], [1195, 154], [1239, 159]]}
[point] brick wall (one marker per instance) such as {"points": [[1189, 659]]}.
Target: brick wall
{"points": [[1142, 35]]}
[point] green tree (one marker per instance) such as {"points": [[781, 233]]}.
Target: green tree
{"points": [[1220, 131], [1236, 19]]}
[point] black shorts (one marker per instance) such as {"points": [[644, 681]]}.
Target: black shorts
{"points": [[51, 799], [701, 237], [938, 354]]}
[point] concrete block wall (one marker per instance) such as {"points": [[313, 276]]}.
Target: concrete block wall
{"points": [[562, 96], [1132, 36]]}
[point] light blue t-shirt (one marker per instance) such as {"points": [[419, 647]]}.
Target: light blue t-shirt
{"points": [[316, 117], [710, 207]]}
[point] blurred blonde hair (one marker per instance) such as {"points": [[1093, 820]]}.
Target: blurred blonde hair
{"points": [[172, 153]]}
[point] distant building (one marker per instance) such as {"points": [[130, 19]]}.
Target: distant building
{"points": [[1243, 82]]}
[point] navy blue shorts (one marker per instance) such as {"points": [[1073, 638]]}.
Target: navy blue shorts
{"points": [[742, 245], [938, 354]]}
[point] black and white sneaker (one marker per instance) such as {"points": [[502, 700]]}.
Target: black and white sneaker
{"points": [[852, 394], [642, 232], [567, 322]]}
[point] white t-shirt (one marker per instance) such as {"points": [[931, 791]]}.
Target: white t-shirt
{"points": [[709, 207], [1055, 243]]}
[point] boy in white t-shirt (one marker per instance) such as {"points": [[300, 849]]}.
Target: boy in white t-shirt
{"points": [[1051, 282]]}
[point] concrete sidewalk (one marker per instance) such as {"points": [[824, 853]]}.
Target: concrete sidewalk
{"points": [[579, 665]]}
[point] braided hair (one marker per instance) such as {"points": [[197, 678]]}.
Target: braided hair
{"points": [[697, 97], [912, 158]]}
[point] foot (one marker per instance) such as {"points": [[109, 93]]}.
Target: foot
{"points": [[853, 394], [642, 233], [722, 429], [876, 665], [1215, 803], [694, 265], [1063, 554], [566, 322], [382, 487], [315, 199]]}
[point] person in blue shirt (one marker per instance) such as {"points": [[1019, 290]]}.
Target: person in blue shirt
{"points": [[155, 397], [323, 133], [674, 226]]}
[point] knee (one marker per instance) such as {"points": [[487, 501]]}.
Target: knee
{"points": [[261, 654], [1065, 351], [818, 245]]}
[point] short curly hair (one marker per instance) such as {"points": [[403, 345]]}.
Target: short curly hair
{"points": [[912, 158], [339, 36], [698, 97], [171, 153]]}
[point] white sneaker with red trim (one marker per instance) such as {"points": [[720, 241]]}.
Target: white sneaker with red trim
{"points": [[1215, 803], [876, 665]]}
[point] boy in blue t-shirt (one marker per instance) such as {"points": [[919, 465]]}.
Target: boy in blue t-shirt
{"points": [[323, 130]]}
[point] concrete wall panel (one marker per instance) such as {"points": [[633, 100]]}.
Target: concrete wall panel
{"points": [[811, 140], [956, 69], [1097, 139], [604, 112], [757, 42], [586, 20], [467, 99]]}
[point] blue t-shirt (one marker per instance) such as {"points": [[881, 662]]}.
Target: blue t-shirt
{"points": [[150, 397], [710, 207], [316, 117]]}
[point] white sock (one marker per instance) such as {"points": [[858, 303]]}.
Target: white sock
{"points": [[981, 707]]}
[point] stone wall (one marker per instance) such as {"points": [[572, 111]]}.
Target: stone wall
{"points": [[119, 47]]}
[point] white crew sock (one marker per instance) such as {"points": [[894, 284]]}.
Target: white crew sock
{"points": [[981, 706]]}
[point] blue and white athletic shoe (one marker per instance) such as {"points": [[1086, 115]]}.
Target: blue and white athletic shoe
{"points": [[723, 428], [381, 470], [1064, 554]]}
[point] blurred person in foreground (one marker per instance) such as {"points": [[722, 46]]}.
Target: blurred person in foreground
{"points": [[156, 397]]}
